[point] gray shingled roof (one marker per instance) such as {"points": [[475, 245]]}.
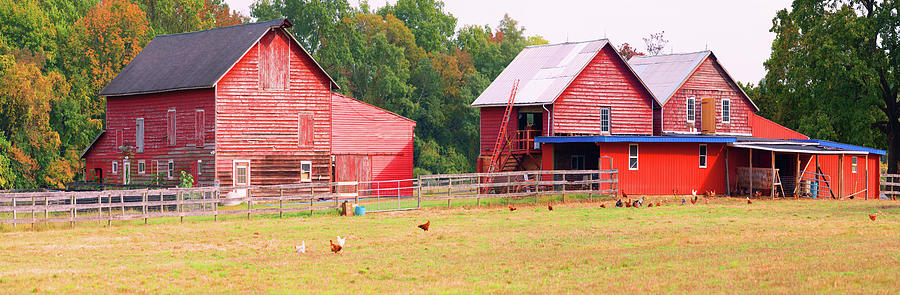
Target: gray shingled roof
{"points": [[189, 60], [543, 71]]}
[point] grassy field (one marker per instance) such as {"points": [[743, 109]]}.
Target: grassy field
{"points": [[725, 246]]}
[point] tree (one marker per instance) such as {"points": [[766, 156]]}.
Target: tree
{"points": [[656, 43], [432, 27], [833, 72], [311, 18], [627, 52], [222, 15]]}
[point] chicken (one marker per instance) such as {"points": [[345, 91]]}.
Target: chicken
{"points": [[683, 201], [694, 200], [624, 195], [658, 203], [641, 202], [694, 192], [628, 203], [619, 203], [550, 207], [511, 208], [749, 201], [335, 248], [757, 194], [872, 216], [425, 225], [650, 205], [301, 248], [603, 205], [711, 193]]}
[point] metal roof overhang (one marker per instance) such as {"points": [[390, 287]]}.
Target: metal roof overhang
{"points": [[609, 138], [802, 148], [842, 146]]}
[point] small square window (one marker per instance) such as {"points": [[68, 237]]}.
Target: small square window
{"points": [[853, 165], [305, 171]]}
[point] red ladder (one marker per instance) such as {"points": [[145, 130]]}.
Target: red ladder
{"points": [[498, 145]]}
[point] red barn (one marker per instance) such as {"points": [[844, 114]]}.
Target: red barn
{"points": [[237, 105], [669, 124]]}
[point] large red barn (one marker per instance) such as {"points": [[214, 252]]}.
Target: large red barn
{"points": [[670, 124], [239, 105]]}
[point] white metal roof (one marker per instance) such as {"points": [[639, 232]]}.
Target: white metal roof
{"points": [[664, 74], [543, 71]]}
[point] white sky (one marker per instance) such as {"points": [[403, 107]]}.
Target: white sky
{"points": [[737, 31]]}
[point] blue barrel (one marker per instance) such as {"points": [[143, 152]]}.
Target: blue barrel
{"points": [[360, 210], [814, 189]]}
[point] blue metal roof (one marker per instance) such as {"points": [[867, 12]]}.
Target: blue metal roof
{"points": [[609, 138], [844, 146]]}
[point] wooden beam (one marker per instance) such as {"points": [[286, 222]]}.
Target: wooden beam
{"points": [[797, 179], [750, 151], [773, 175], [841, 175], [727, 178], [867, 176]]}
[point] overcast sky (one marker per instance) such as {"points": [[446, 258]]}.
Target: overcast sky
{"points": [[737, 31]]}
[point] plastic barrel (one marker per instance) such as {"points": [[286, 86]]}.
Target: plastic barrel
{"points": [[360, 211], [814, 189]]}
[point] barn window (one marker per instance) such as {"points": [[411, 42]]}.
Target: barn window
{"points": [[604, 120], [199, 167], [126, 171], [691, 111], [170, 170], [632, 157], [305, 171], [170, 127], [139, 135], [726, 110], [853, 165], [241, 172], [199, 125], [305, 129], [119, 140], [702, 156], [577, 162], [115, 167], [142, 167], [274, 62]]}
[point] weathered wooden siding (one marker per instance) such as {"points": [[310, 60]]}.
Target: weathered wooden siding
{"points": [[491, 118], [259, 122], [604, 82], [121, 115], [709, 80], [385, 138]]}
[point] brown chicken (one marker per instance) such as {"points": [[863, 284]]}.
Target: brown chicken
{"points": [[602, 205], [872, 216], [749, 201], [511, 208], [624, 195], [549, 207], [425, 226], [658, 203], [627, 203], [649, 204], [694, 200], [757, 194], [335, 247]]}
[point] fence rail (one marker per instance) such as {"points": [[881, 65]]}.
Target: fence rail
{"points": [[890, 185], [377, 196]]}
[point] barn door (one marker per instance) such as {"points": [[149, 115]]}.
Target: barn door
{"points": [[353, 168]]}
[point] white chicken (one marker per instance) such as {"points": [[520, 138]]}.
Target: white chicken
{"points": [[301, 248], [341, 241]]}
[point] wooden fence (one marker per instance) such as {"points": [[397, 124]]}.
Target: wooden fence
{"points": [[408, 194], [890, 185]]}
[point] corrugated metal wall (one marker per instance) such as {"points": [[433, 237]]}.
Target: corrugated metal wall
{"points": [[852, 182]]}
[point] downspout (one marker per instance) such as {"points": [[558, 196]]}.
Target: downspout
{"points": [[549, 131]]}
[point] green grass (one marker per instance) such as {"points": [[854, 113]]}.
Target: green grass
{"points": [[726, 246]]}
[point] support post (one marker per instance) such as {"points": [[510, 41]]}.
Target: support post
{"points": [[281, 203], [867, 176], [773, 175], [216, 204], [590, 187], [750, 151], [311, 191], [109, 200], [727, 174], [819, 187], [841, 180]]}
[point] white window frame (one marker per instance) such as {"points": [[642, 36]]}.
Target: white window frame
{"points": [[691, 109], [199, 167], [126, 171], [703, 156], [139, 135], [115, 167], [170, 169], [608, 120], [636, 157], [854, 164], [234, 171], [726, 102], [302, 171], [142, 167]]}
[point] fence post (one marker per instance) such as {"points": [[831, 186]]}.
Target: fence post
{"points": [[591, 187], [311, 193], [281, 203], [216, 204], [33, 220], [109, 199], [398, 194], [46, 211], [419, 192], [100, 208], [122, 201], [74, 209], [180, 197], [144, 207], [564, 187], [249, 203], [14, 212], [449, 191]]}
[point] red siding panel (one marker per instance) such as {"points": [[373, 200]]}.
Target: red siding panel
{"points": [[664, 168], [261, 125], [605, 82], [121, 115], [764, 128], [707, 81], [850, 182], [491, 118]]}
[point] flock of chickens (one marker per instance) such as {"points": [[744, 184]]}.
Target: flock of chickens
{"points": [[628, 203]]}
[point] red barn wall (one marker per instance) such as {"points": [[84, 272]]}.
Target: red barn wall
{"points": [[605, 82], [765, 128], [386, 139], [852, 182], [709, 80], [262, 125], [491, 118], [121, 115]]}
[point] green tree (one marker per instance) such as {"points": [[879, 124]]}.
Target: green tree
{"points": [[311, 18], [833, 72], [432, 27]]}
